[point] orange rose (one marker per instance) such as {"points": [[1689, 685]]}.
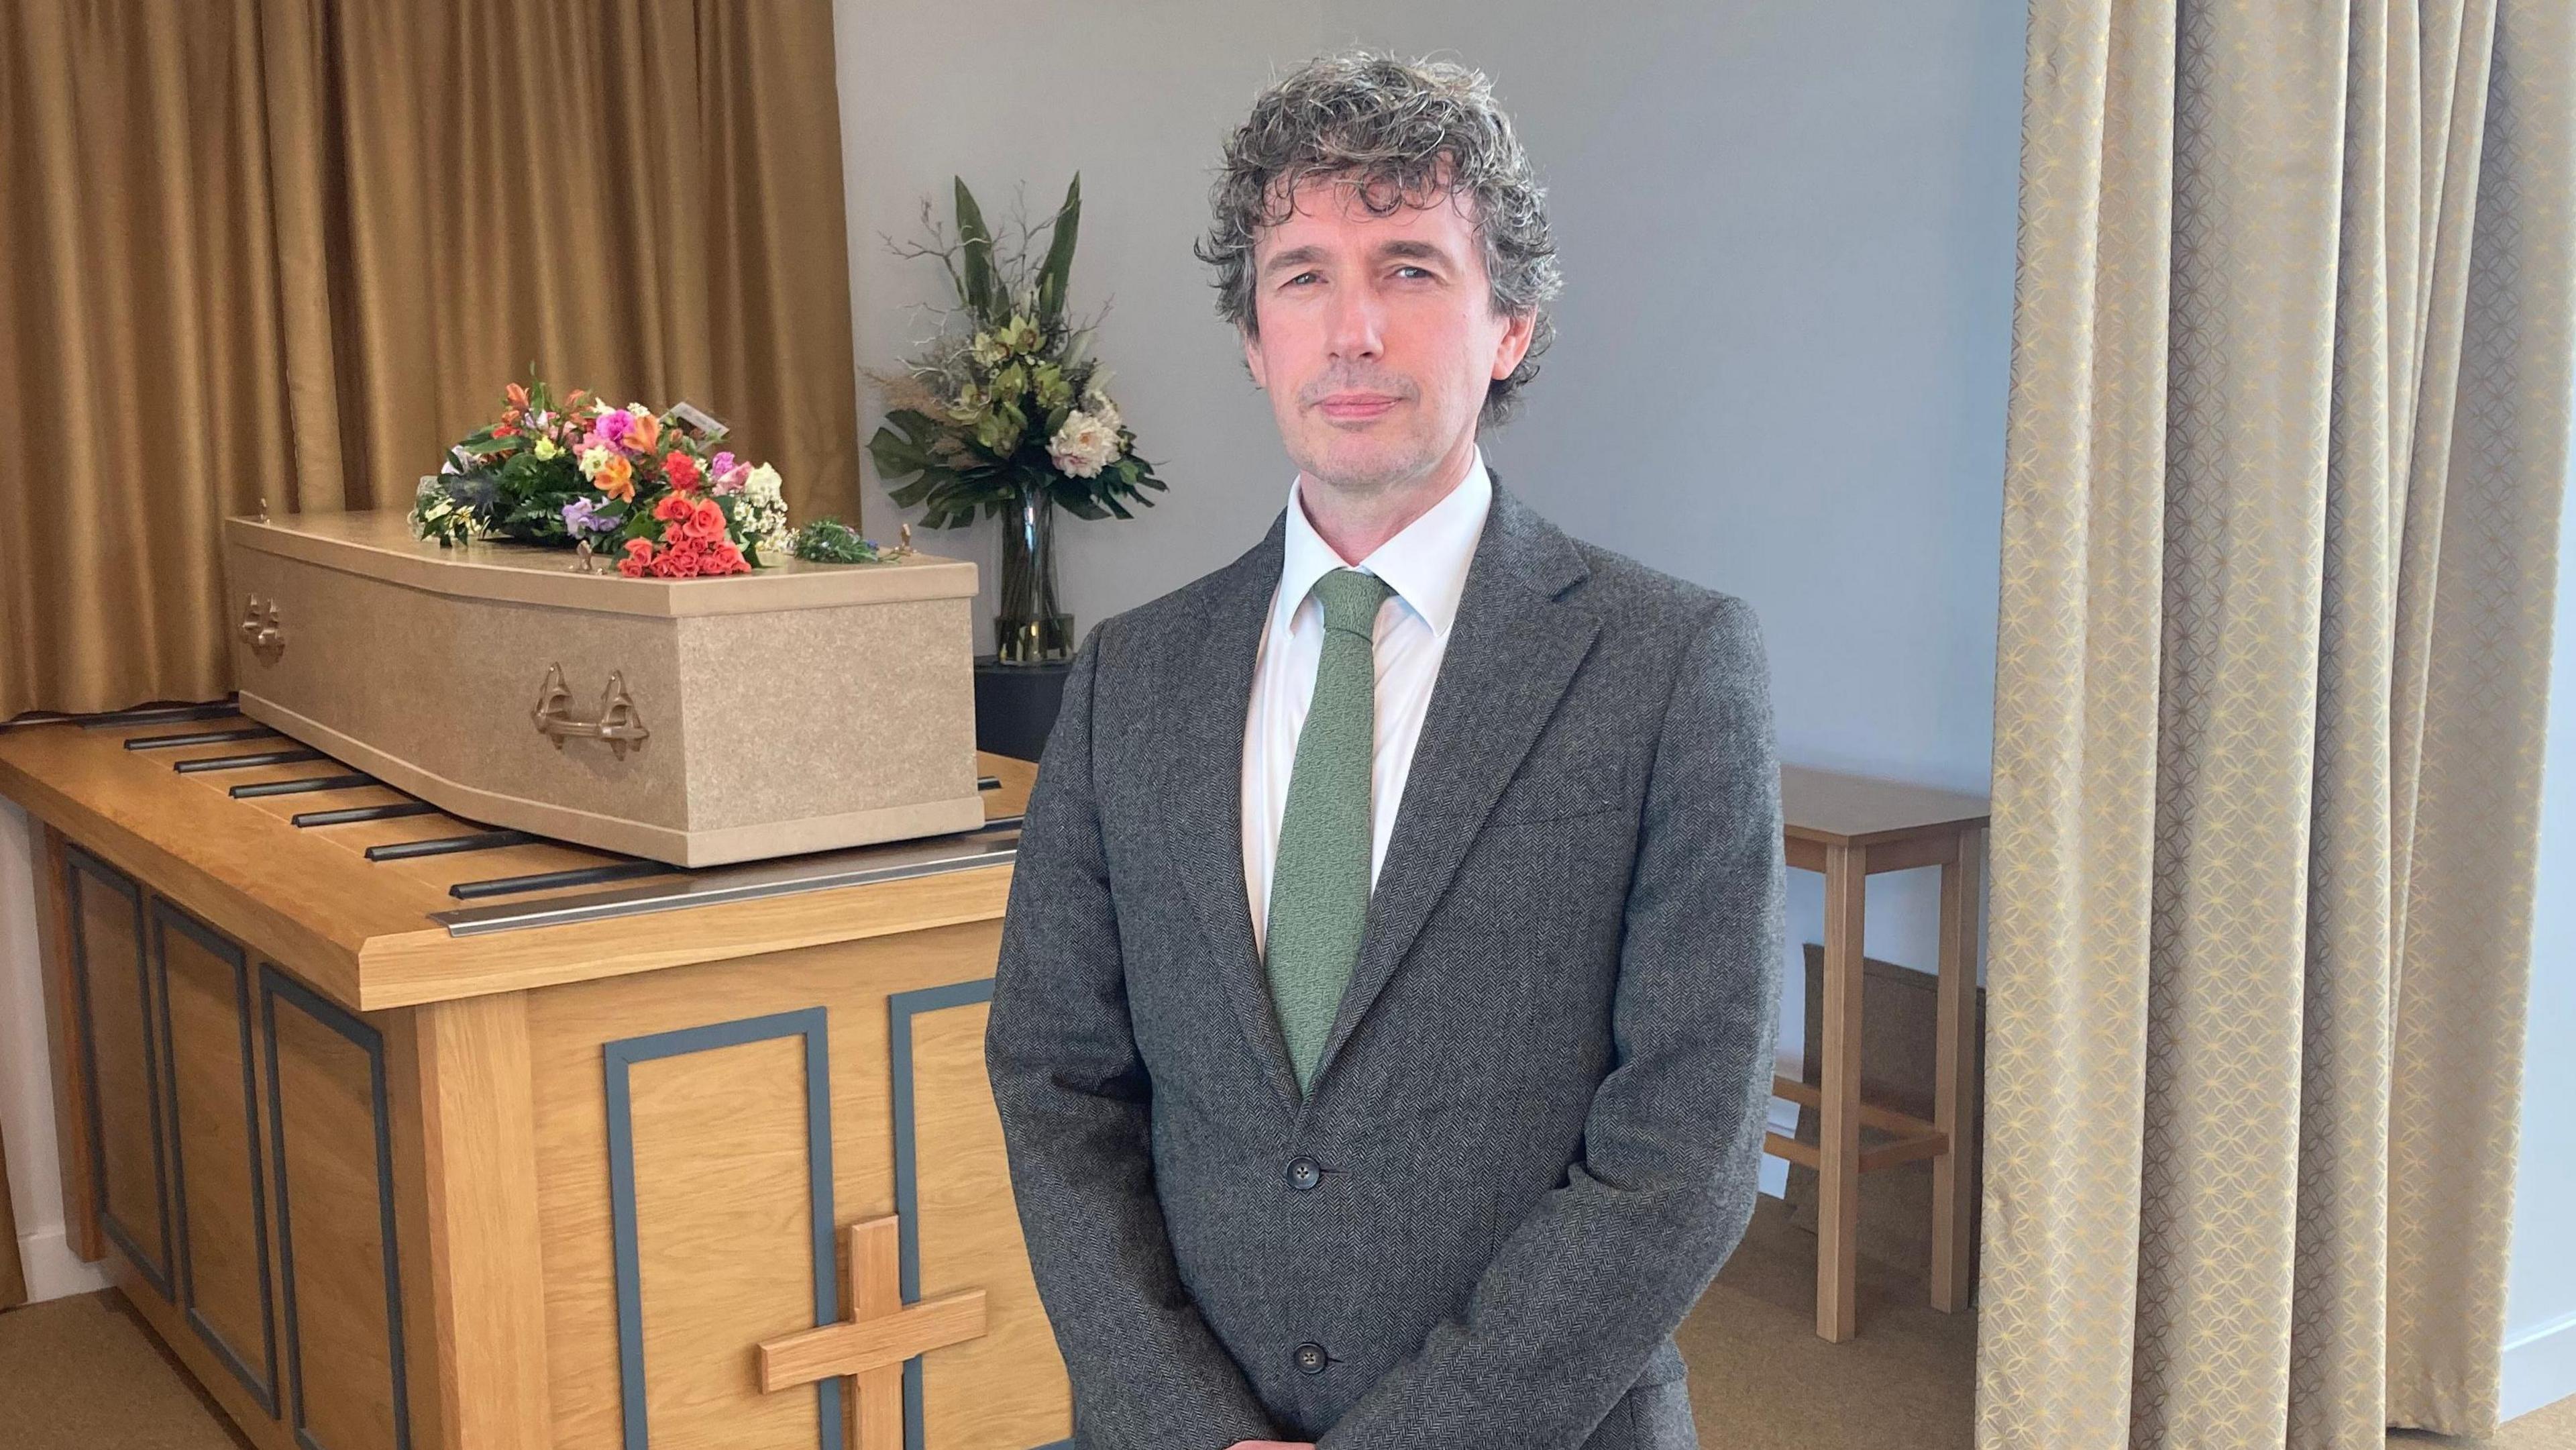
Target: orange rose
{"points": [[706, 521]]}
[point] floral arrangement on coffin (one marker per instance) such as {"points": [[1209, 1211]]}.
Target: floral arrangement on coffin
{"points": [[1004, 401], [648, 488]]}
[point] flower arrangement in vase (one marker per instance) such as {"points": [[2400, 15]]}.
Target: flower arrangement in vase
{"points": [[1004, 412]]}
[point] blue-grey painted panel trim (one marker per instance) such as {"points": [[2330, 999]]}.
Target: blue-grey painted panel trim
{"points": [[274, 985], [155, 1268], [810, 1023], [262, 1383], [901, 1009]]}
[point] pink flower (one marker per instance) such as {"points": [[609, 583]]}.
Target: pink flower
{"points": [[608, 430]]}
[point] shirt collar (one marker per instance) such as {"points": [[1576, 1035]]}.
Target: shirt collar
{"points": [[1425, 563]]}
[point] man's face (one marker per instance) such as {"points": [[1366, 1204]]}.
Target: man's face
{"points": [[1377, 335]]}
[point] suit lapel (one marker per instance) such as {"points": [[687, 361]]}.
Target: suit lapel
{"points": [[1512, 651], [1211, 695]]}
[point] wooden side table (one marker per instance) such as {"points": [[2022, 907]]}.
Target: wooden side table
{"points": [[1851, 828]]}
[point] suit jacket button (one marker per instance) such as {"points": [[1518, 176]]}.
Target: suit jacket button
{"points": [[1303, 1173], [1310, 1358]]}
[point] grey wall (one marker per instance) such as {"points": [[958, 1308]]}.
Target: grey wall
{"points": [[1787, 233], [2540, 1307]]}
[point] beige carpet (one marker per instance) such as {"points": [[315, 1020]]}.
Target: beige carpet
{"points": [[1762, 1380], [83, 1374]]}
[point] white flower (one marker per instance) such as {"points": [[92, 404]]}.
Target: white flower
{"points": [[593, 460], [1097, 404], [762, 488], [1083, 446]]}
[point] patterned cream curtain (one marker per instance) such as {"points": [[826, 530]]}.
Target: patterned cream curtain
{"points": [[2288, 432]]}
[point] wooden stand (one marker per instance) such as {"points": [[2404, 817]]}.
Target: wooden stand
{"points": [[382, 1181], [1851, 828]]}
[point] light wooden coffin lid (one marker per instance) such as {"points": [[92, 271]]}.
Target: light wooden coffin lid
{"points": [[378, 543]]}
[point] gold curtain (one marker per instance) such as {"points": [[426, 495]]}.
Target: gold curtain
{"points": [[292, 249], [2288, 430]]}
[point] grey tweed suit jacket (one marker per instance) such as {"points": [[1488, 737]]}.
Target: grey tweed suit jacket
{"points": [[1536, 1124]]}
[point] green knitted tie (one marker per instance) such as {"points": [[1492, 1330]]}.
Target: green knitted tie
{"points": [[1319, 889]]}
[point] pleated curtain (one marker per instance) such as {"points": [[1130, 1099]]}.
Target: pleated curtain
{"points": [[2288, 431], [292, 249]]}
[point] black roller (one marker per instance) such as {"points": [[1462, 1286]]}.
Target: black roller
{"points": [[244, 762], [298, 787], [198, 737], [347, 814], [447, 845], [547, 880]]}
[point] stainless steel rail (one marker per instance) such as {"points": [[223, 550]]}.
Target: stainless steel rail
{"points": [[997, 844]]}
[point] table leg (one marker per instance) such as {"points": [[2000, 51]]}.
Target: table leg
{"points": [[1954, 1078], [1838, 1145]]}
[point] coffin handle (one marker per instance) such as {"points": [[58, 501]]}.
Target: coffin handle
{"points": [[260, 630], [618, 724]]}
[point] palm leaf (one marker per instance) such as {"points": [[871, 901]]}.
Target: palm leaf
{"points": [[979, 254], [1053, 275]]}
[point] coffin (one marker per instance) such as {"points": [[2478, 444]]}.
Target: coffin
{"points": [[803, 707]]}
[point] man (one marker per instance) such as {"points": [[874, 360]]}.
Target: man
{"points": [[1383, 1030]]}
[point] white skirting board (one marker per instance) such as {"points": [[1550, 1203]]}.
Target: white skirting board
{"points": [[2539, 1366], [1784, 1121], [52, 1271], [26, 1078]]}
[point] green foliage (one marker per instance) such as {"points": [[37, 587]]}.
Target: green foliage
{"points": [[1058, 269], [830, 541], [978, 242]]}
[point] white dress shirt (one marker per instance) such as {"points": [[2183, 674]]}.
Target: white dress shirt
{"points": [[1426, 565]]}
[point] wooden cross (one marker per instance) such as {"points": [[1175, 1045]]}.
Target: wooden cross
{"points": [[880, 1334]]}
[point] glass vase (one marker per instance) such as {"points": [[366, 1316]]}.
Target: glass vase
{"points": [[1028, 629]]}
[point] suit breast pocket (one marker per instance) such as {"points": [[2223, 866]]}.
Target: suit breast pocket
{"points": [[1562, 792]]}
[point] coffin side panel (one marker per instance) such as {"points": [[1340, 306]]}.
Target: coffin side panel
{"points": [[445, 685]]}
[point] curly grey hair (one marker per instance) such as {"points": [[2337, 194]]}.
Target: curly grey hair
{"points": [[1401, 131]]}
